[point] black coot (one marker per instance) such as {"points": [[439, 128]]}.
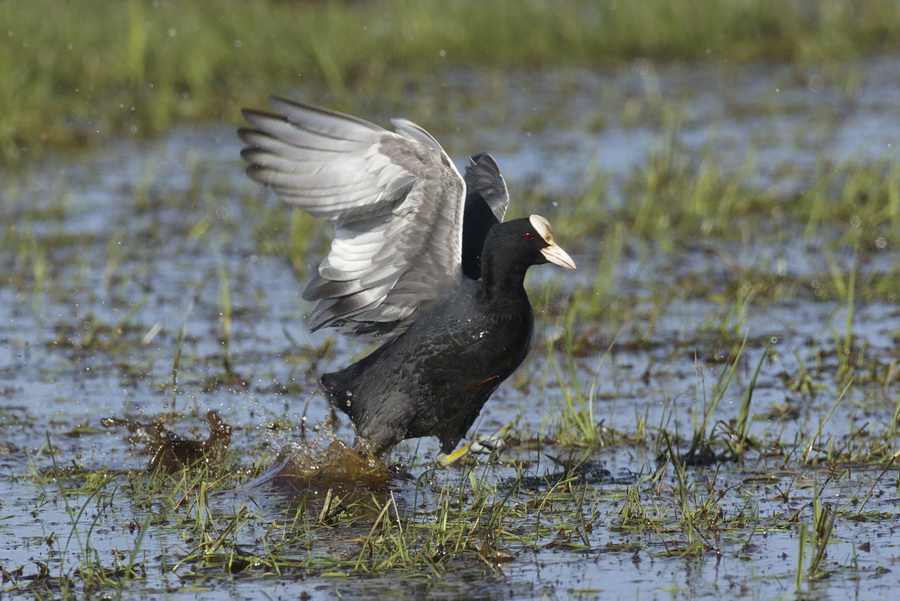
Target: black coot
{"points": [[421, 258]]}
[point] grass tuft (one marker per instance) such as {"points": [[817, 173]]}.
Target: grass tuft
{"points": [[100, 69]]}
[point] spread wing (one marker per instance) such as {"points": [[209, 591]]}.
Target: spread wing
{"points": [[483, 179], [486, 202], [395, 199]]}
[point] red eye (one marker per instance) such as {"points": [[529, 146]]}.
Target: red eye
{"points": [[527, 235]]}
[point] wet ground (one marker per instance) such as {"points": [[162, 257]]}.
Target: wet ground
{"points": [[151, 281]]}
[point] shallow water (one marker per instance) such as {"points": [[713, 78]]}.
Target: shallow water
{"points": [[112, 304]]}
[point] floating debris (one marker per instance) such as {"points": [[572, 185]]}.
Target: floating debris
{"points": [[169, 451]]}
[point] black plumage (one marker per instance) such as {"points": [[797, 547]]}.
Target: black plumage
{"points": [[421, 259], [486, 202]]}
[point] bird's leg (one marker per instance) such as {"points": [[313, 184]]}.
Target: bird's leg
{"points": [[367, 448], [482, 444], [446, 460]]}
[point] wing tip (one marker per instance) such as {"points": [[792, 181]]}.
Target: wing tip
{"points": [[483, 161]]}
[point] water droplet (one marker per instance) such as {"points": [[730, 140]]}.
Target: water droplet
{"points": [[640, 66], [815, 84]]}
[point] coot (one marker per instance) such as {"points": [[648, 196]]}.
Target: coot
{"points": [[421, 259]]}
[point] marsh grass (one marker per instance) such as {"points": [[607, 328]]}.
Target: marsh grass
{"points": [[681, 191], [701, 450], [462, 520], [850, 211], [135, 68], [479, 518], [577, 424]]}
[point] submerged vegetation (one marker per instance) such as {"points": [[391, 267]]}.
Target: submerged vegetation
{"points": [[99, 69]]}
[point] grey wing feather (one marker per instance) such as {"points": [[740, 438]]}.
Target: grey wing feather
{"points": [[483, 177], [395, 199]]}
